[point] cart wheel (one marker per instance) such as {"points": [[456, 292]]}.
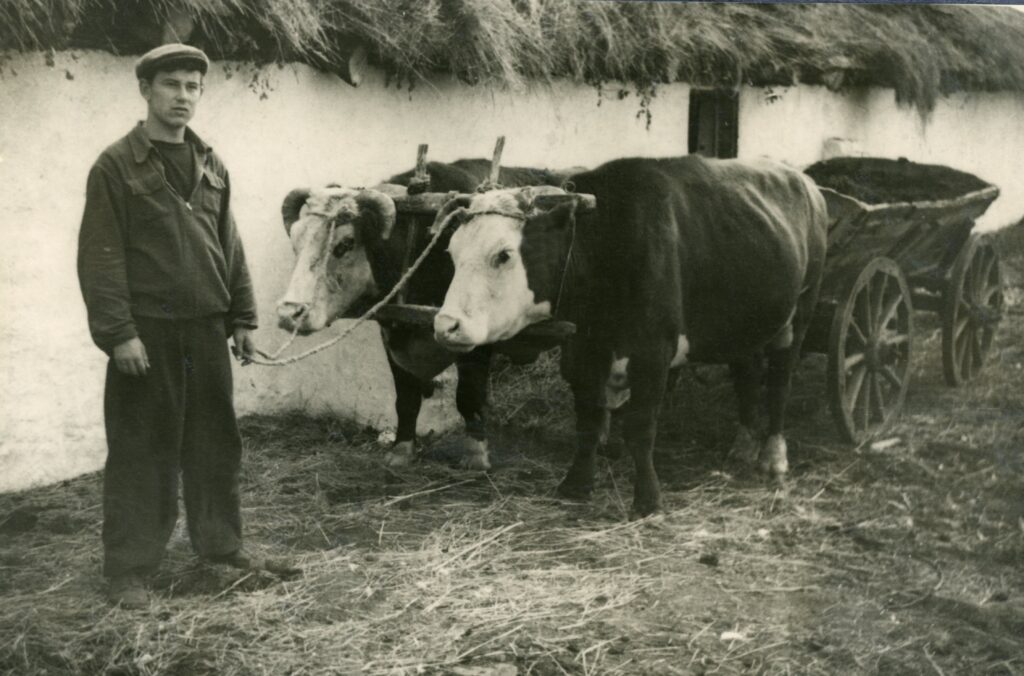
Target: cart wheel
{"points": [[869, 351], [972, 306]]}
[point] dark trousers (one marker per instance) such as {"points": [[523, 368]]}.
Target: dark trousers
{"points": [[179, 417]]}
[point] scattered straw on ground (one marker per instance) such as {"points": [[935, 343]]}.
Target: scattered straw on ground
{"points": [[901, 557]]}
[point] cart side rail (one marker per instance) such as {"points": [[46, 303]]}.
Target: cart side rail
{"points": [[922, 237]]}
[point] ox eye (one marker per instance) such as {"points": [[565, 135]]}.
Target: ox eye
{"points": [[502, 257], [343, 247]]}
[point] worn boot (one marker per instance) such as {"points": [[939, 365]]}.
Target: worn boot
{"points": [[243, 560], [128, 592]]}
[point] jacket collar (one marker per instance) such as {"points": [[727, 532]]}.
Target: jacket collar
{"points": [[142, 146]]}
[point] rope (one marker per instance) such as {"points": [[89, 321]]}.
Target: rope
{"points": [[566, 269], [263, 359], [273, 361]]}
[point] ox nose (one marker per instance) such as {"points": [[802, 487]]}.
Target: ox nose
{"points": [[445, 326], [289, 314]]}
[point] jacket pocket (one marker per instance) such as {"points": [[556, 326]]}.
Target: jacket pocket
{"points": [[212, 192], [149, 197]]}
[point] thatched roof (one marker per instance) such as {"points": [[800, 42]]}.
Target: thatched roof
{"points": [[921, 51]]}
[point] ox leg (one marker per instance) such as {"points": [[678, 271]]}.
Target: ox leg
{"points": [[648, 374], [610, 443], [471, 400], [590, 416], [746, 378], [408, 399], [773, 456]]}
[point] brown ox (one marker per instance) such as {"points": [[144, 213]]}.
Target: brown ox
{"points": [[685, 258]]}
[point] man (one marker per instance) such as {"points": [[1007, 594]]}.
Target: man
{"points": [[165, 282]]}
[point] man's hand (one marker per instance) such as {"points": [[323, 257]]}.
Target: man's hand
{"points": [[130, 358], [244, 349]]}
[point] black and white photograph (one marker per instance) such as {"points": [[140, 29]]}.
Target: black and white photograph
{"points": [[511, 337]]}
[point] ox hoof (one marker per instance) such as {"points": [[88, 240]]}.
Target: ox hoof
{"points": [[644, 508], [773, 457], [574, 490], [476, 457], [400, 455], [744, 448]]}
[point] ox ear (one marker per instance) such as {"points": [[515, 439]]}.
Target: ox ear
{"points": [[379, 207], [291, 207]]}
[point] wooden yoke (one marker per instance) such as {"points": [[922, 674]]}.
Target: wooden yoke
{"points": [[420, 181], [492, 181], [431, 202], [419, 201]]}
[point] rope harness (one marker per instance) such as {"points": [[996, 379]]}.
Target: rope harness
{"points": [[264, 359], [271, 360]]}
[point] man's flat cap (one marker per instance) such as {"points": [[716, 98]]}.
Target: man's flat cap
{"points": [[175, 55]]}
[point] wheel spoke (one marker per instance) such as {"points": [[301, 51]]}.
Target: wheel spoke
{"points": [[976, 350], [879, 398], [854, 388], [961, 324], [986, 296], [890, 311], [853, 360], [889, 374], [876, 304], [986, 270], [960, 348], [897, 339], [965, 354], [972, 273], [865, 408], [869, 309], [857, 332]]}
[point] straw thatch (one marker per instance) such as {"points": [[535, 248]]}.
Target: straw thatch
{"points": [[921, 51]]}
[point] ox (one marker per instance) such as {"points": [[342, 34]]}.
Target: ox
{"points": [[684, 259], [370, 245]]}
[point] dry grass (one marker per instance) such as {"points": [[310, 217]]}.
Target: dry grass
{"points": [[904, 558], [920, 51]]}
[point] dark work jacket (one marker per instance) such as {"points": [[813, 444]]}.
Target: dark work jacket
{"points": [[145, 251]]}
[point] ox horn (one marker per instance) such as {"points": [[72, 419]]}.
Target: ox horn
{"points": [[291, 206], [382, 205], [456, 202], [526, 197]]}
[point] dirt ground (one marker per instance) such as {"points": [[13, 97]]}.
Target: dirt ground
{"points": [[902, 557]]}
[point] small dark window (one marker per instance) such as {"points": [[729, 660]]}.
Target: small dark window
{"points": [[714, 114]]}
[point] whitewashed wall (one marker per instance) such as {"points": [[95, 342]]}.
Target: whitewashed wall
{"points": [[979, 133], [282, 128], [276, 129]]}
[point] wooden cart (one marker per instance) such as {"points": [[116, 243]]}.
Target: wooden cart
{"points": [[884, 262]]}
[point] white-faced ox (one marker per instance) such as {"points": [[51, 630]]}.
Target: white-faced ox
{"points": [[684, 259], [351, 248]]}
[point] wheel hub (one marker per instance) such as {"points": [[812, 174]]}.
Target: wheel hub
{"points": [[984, 316]]}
